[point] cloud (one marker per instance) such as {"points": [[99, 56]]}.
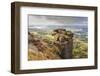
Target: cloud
{"points": [[43, 21]]}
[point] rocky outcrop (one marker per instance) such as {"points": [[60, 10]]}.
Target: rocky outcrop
{"points": [[60, 48], [64, 40]]}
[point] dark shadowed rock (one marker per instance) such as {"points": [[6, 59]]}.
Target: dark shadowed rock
{"points": [[64, 40]]}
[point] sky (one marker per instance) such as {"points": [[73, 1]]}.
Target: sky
{"points": [[42, 21]]}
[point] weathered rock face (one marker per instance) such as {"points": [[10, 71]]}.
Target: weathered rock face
{"points": [[64, 40], [66, 52]]}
